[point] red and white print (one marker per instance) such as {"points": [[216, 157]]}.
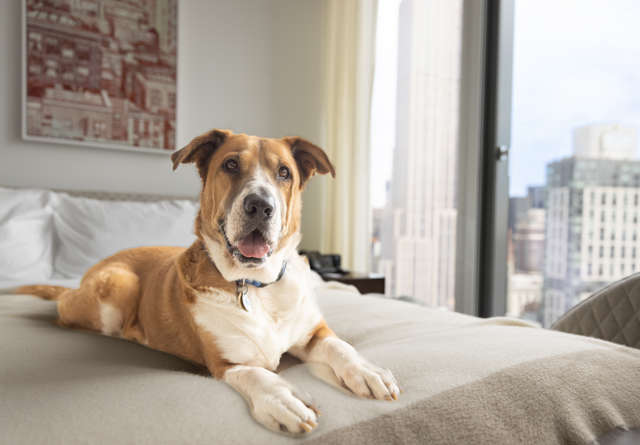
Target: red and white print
{"points": [[102, 71]]}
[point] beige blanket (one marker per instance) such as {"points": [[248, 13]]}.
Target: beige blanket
{"points": [[465, 380]]}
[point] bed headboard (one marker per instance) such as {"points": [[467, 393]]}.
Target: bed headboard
{"points": [[123, 196], [114, 196]]}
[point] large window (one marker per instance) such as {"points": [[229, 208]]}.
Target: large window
{"points": [[414, 136], [574, 171]]}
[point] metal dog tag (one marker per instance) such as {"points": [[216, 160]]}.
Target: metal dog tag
{"points": [[243, 296], [245, 301]]}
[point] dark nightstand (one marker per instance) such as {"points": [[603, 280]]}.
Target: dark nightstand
{"points": [[365, 283]]}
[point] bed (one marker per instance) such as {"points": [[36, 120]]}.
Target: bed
{"points": [[464, 379]]}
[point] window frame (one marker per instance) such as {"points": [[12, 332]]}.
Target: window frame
{"points": [[483, 182]]}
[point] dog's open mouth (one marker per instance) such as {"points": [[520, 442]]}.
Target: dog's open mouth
{"points": [[253, 245], [251, 248]]}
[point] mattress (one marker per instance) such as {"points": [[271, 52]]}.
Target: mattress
{"points": [[463, 380]]}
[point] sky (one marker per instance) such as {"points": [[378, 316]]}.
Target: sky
{"points": [[576, 62], [383, 106]]}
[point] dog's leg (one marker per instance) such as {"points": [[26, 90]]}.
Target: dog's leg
{"points": [[104, 302], [354, 372], [272, 400]]}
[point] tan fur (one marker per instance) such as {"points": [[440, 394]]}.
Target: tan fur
{"points": [[173, 299], [320, 332], [45, 292]]}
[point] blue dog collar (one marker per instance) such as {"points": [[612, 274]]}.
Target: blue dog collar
{"points": [[242, 290], [255, 283]]}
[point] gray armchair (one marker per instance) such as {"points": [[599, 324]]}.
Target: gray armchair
{"points": [[612, 314]]}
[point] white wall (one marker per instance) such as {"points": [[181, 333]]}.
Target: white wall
{"points": [[298, 81], [250, 65]]}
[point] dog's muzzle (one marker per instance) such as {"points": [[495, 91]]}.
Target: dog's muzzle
{"points": [[249, 232]]}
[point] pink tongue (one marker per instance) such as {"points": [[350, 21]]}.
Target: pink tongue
{"points": [[253, 245]]}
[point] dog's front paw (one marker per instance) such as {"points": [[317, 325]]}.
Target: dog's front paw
{"points": [[281, 408], [367, 380]]}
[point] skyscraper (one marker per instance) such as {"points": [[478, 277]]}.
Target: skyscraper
{"points": [[593, 206], [418, 255], [528, 242], [525, 259]]}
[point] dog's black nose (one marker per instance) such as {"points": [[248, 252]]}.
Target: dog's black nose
{"points": [[259, 205]]}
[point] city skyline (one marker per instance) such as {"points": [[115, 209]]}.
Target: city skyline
{"points": [[580, 230], [567, 80], [592, 224], [633, 153]]}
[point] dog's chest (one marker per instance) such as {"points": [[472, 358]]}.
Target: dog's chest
{"points": [[279, 316]]}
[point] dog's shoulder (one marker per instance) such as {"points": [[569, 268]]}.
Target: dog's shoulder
{"points": [[197, 274]]}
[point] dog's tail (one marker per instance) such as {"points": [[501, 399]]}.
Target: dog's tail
{"points": [[42, 290]]}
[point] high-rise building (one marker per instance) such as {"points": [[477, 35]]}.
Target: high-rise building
{"points": [[526, 253], [537, 196], [611, 141], [524, 294], [593, 206], [528, 242], [518, 207], [418, 255]]}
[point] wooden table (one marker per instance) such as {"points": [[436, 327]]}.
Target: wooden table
{"points": [[365, 283]]}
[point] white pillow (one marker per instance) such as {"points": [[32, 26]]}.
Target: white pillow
{"points": [[26, 235], [90, 230], [17, 202]]}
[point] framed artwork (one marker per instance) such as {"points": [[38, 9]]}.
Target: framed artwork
{"points": [[100, 73]]}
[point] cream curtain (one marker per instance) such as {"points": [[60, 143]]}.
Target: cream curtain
{"points": [[349, 67]]}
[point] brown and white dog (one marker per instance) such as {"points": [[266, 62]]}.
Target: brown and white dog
{"points": [[240, 296]]}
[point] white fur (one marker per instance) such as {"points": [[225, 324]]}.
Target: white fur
{"points": [[281, 315], [354, 372], [273, 401], [110, 319], [231, 270]]}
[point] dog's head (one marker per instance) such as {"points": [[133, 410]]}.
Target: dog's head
{"points": [[251, 201]]}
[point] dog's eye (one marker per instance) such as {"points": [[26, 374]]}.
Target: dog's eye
{"points": [[230, 165], [284, 173]]}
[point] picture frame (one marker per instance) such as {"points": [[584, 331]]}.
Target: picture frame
{"points": [[100, 74]]}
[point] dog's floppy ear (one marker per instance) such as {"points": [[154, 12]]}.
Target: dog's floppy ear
{"points": [[310, 158], [200, 149]]}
